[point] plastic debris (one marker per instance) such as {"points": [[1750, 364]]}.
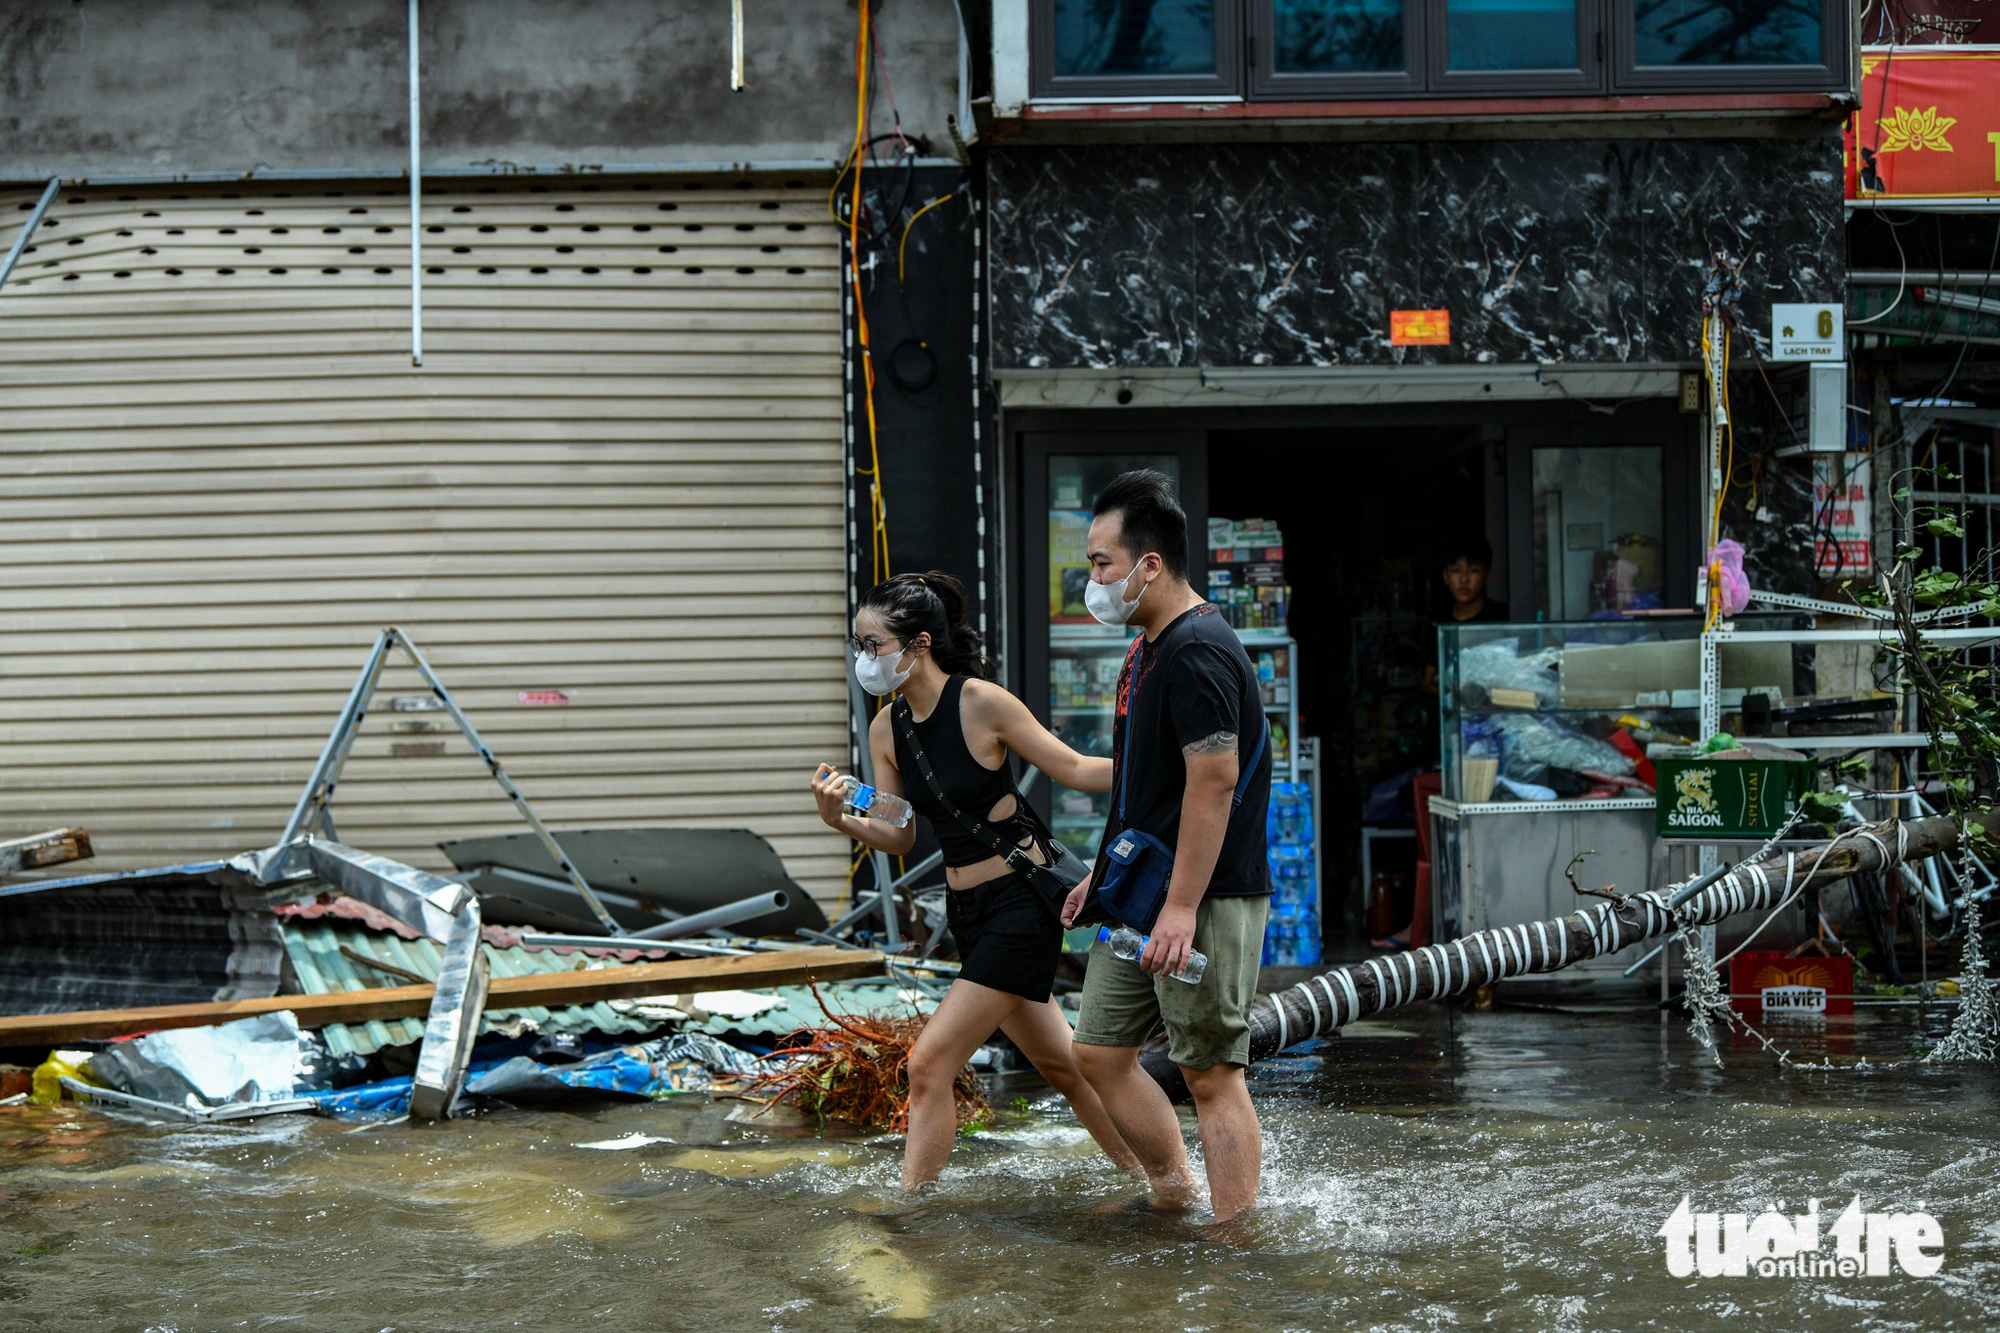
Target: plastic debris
{"points": [[1735, 584], [46, 1088], [629, 1141], [250, 1060]]}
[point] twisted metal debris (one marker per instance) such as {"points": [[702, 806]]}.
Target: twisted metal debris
{"points": [[1975, 1028]]}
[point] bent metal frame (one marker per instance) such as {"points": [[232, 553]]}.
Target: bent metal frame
{"points": [[314, 814]]}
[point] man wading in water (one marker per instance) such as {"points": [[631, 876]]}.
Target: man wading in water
{"points": [[1189, 725]]}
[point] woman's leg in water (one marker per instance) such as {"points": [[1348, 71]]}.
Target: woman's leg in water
{"points": [[1042, 1031], [964, 1020]]}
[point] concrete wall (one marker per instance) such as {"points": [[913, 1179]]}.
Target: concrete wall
{"points": [[97, 88]]}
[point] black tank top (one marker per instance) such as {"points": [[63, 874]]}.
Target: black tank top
{"points": [[974, 788]]}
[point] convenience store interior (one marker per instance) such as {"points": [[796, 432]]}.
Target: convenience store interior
{"points": [[1360, 514], [1365, 592]]}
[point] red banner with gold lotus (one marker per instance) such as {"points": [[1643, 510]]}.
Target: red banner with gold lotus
{"points": [[1929, 124]]}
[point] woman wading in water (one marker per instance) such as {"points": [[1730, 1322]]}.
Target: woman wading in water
{"points": [[910, 637]]}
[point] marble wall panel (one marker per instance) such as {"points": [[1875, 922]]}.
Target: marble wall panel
{"points": [[1773, 205], [1535, 249], [1092, 263], [1292, 255], [1299, 257]]}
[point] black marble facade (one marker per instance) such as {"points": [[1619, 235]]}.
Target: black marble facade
{"points": [[1114, 256]]}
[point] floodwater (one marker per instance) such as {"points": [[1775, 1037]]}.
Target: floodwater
{"points": [[1506, 1168]]}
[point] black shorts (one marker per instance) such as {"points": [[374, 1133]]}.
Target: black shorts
{"points": [[1006, 938]]}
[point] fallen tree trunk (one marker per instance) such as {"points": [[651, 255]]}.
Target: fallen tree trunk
{"points": [[1333, 999]]}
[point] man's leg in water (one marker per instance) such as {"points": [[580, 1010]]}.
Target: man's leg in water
{"points": [[1232, 1142], [1144, 1117], [1208, 1036], [1121, 1009]]}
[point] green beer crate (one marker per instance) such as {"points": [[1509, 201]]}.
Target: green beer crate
{"points": [[1728, 798]]}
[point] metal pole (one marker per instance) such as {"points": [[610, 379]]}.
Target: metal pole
{"points": [[34, 221], [307, 814], [1710, 861], [884, 897], [736, 46], [548, 839], [729, 914], [416, 207]]}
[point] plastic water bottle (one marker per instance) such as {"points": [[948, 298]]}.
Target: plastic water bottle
{"points": [[1128, 943], [865, 801]]}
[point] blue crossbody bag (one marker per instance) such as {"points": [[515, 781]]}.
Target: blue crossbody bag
{"points": [[1136, 866]]}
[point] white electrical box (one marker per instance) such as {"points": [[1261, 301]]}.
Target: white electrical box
{"points": [[1826, 407]]}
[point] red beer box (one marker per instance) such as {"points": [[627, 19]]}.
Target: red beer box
{"points": [[1774, 984]]}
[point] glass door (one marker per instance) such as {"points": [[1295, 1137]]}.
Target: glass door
{"points": [[1599, 529], [1072, 662]]}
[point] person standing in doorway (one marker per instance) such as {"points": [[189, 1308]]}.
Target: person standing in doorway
{"points": [[1189, 725], [1468, 566]]}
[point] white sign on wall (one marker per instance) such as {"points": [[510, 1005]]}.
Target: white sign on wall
{"points": [[1808, 333]]}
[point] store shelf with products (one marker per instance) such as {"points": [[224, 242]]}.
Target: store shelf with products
{"points": [[1246, 579], [1293, 933], [1084, 661], [1246, 573]]}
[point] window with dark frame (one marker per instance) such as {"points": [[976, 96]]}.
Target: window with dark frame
{"points": [[1316, 50]]}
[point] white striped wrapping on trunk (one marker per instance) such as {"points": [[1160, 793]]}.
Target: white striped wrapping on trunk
{"points": [[1510, 951]]}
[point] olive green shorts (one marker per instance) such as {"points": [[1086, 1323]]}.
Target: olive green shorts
{"points": [[1207, 1024]]}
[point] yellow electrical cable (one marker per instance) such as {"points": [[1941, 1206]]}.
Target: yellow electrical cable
{"points": [[878, 516], [1718, 379], [847, 889], [900, 249]]}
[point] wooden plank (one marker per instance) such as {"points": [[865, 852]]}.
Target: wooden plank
{"points": [[44, 849], [789, 967]]}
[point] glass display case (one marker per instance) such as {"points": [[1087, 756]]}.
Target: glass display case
{"points": [[1563, 712]]}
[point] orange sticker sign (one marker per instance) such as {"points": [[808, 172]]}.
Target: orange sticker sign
{"points": [[1419, 328], [1929, 124]]}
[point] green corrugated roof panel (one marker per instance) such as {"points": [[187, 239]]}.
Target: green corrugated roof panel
{"points": [[796, 1007], [314, 945]]}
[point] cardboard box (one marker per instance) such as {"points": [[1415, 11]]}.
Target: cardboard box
{"points": [[1728, 798], [1615, 675]]}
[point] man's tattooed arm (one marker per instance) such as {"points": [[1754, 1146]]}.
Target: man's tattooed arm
{"points": [[1211, 744]]}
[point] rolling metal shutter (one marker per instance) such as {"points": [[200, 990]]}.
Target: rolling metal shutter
{"points": [[608, 506]]}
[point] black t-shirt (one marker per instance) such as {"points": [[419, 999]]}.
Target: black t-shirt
{"points": [[1191, 682], [1491, 611]]}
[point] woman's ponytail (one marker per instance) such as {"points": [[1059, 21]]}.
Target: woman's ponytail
{"points": [[932, 603]]}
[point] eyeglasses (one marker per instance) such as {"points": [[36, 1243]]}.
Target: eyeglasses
{"points": [[870, 648]]}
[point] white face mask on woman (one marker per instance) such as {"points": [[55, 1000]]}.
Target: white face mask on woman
{"points": [[878, 675], [1106, 601]]}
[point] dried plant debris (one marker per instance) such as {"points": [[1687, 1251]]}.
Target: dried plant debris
{"points": [[857, 1070]]}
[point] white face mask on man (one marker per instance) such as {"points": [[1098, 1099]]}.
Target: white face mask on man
{"points": [[1106, 601], [878, 675]]}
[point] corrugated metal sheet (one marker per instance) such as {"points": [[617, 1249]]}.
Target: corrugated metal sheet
{"points": [[617, 475], [797, 1008], [179, 935], [314, 948]]}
